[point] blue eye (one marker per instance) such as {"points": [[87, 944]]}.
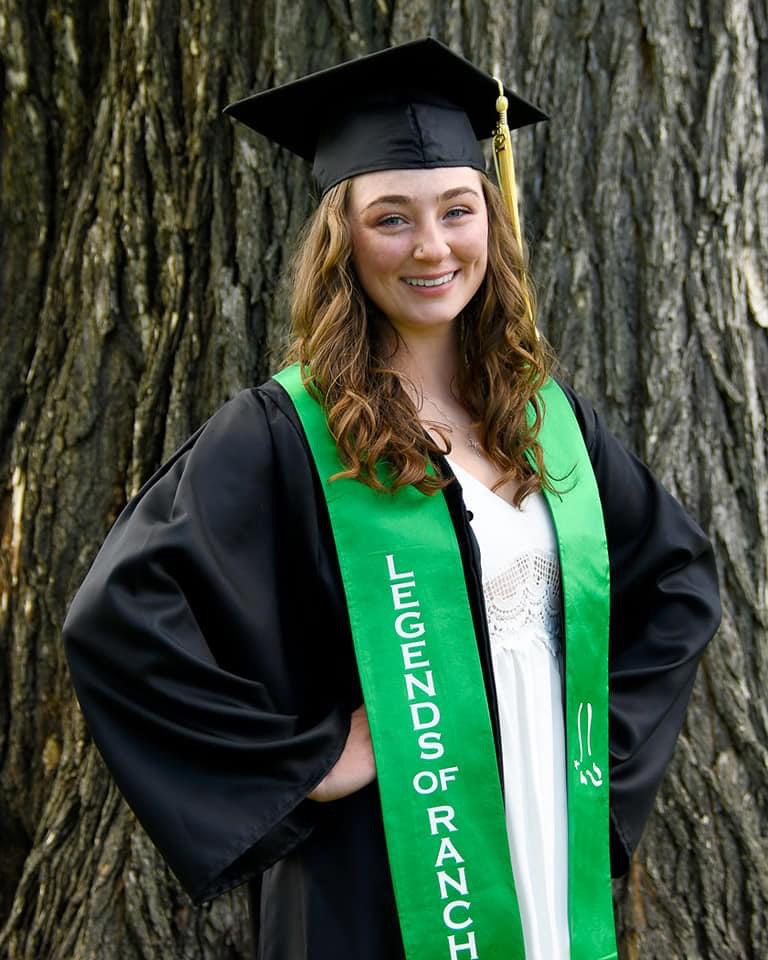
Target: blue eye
{"points": [[393, 220], [456, 213]]}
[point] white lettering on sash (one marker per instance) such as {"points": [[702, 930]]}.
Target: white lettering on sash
{"points": [[592, 774], [412, 650], [430, 746], [459, 885], [441, 815], [393, 574], [425, 782], [432, 781], [401, 594], [447, 851], [428, 708], [447, 775], [422, 697], [448, 915], [469, 945], [427, 685], [415, 630]]}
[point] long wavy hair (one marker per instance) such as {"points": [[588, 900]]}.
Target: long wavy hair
{"points": [[345, 341]]}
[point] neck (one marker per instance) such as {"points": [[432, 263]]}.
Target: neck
{"points": [[430, 361]]}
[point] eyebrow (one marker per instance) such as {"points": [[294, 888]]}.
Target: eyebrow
{"points": [[401, 200]]}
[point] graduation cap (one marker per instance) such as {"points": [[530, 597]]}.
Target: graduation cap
{"points": [[414, 106]]}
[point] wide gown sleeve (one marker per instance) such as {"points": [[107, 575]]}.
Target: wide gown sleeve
{"points": [[665, 608], [192, 646]]}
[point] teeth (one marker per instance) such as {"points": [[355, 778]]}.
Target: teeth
{"points": [[431, 283]]}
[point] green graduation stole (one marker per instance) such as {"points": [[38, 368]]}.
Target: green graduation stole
{"points": [[423, 688]]}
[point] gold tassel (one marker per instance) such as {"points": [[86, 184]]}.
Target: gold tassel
{"points": [[505, 163], [505, 172]]}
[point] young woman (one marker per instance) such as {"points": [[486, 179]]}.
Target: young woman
{"points": [[386, 628]]}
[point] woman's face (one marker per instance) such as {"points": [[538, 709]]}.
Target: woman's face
{"points": [[419, 243]]}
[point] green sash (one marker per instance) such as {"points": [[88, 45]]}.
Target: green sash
{"points": [[584, 570], [423, 689]]}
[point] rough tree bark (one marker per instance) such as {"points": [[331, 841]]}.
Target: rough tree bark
{"points": [[141, 244]]}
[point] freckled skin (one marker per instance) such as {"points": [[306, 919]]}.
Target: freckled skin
{"points": [[433, 230]]}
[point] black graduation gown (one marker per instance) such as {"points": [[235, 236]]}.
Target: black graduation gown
{"points": [[210, 649]]}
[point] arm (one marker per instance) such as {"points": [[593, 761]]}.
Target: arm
{"points": [[209, 705]]}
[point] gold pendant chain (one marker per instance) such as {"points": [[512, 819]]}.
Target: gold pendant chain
{"points": [[474, 445]]}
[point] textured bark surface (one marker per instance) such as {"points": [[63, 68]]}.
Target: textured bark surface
{"points": [[141, 244]]}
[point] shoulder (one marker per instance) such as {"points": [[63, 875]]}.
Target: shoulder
{"points": [[251, 450], [248, 430], [637, 508], [253, 445], [615, 465], [254, 412], [585, 413]]}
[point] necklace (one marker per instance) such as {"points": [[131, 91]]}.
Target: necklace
{"points": [[474, 445]]}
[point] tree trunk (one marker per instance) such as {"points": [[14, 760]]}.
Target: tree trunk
{"points": [[142, 238]]}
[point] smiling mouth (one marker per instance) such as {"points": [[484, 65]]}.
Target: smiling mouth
{"points": [[437, 282]]}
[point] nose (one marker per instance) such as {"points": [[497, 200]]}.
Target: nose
{"points": [[430, 244]]}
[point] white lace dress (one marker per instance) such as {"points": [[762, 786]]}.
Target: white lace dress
{"points": [[521, 583]]}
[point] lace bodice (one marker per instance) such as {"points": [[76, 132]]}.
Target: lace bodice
{"points": [[524, 601], [520, 565]]}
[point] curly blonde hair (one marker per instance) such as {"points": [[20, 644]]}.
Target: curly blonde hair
{"points": [[337, 333]]}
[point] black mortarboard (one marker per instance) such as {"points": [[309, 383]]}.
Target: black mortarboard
{"points": [[417, 105]]}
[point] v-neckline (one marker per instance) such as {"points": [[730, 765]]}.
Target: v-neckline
{"points": [[463, 470]]}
